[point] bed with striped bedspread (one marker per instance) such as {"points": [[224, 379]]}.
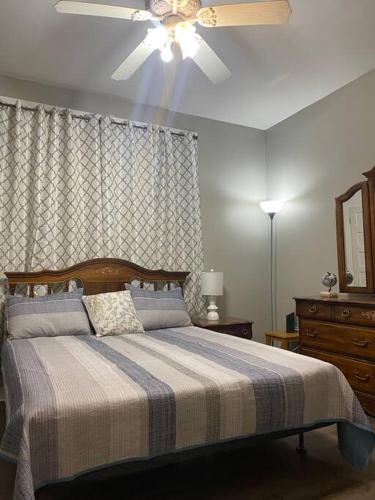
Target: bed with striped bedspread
{"points": [[77, 403]]}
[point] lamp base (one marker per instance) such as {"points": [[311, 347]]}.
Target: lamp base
{"points": [[329, 295], [212, 310]]}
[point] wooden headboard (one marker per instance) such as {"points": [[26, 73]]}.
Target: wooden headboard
{"points": [[96, 276]]}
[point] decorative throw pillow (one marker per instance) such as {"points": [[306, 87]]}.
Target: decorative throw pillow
{"points": [[47, 316], [112, 313], [160, 309]]}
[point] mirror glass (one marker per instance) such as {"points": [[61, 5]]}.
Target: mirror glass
{"points": [[354, 241]]}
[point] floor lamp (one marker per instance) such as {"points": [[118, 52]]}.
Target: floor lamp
{"points": [[271, 208]]}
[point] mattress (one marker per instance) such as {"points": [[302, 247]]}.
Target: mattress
{"points": [[78, 403]]}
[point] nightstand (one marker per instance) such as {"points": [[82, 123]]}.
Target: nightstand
{"points": [[231, 326], [284, 340]]}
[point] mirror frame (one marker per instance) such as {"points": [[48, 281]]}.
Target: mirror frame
{"points": [[369, 288]]}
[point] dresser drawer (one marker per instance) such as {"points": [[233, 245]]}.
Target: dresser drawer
{"points": [[335, 337], [360, 374], [367, 401], [314, 310], [360, 315]]}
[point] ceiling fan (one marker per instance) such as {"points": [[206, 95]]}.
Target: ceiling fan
{"points": [[174, 26]]}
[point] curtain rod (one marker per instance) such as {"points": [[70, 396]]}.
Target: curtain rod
{"points": [[88, 117]]}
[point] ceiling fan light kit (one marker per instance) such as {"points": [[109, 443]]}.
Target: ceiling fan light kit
{"points": [[174, 21], [182, 33]]}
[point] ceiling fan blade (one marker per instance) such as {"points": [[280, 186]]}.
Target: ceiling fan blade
{"points": [[95, 9], [133, 62], [245, 14], [210, 63]]}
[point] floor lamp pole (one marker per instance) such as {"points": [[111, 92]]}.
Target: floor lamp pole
{"points": [[272, 215], [271, 208]]}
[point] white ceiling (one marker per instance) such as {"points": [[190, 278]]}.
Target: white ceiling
{"points": [[276, 70]]}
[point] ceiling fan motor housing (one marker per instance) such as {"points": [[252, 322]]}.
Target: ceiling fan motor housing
{"points": [[161, 8]]}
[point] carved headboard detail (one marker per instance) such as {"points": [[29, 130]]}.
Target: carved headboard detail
{"points": [[96, 276]]}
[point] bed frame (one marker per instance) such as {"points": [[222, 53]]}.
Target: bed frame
{"points": [[110, 275], [96, 276]]}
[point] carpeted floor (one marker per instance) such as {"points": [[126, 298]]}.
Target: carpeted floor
{"points": [[270, 472]]}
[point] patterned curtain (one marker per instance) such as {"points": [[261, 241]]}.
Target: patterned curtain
{"points": [[75, 188]]}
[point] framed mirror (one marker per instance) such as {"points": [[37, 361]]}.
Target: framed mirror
{"points": [[354, 240]]}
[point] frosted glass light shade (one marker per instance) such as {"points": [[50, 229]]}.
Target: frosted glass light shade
{"points": [[156, 37], [187, 38], [271, 206], [212, 283]]}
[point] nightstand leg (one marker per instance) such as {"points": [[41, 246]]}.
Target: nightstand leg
{"points": [[301, 450]]}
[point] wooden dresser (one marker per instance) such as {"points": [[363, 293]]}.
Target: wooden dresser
{"points": [[341, 331]]}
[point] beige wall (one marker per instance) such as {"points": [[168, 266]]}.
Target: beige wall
{"points": [[312, 157], [232, 180]]}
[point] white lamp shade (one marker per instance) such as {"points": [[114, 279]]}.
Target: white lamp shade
{"points": [[212, 283], [271, 206]]}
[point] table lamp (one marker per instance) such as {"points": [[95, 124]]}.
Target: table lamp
{"points": [[212, 286]]}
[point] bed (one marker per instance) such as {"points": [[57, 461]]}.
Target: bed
{"points": [[76, 404]]}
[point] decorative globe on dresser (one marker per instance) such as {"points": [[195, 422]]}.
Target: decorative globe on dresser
{"points": [[329, 280]]}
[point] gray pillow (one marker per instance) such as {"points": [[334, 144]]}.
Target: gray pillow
{"points": [[47, 316], [160, 309]]}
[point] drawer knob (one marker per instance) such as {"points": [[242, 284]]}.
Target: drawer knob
{"points": [[362, 378], [313, 334], [313, 309], [361, 342], [346, 313], [244, 331]]}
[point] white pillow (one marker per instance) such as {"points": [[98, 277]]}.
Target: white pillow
{"points": [[112, 313]]}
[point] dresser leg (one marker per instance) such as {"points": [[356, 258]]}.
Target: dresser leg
{"points": [[301, 450]]}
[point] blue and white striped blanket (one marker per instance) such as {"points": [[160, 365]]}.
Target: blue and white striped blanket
{"points": [[76, 403]]}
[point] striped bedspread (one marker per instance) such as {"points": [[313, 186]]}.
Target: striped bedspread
{"points": [[76, 403]]}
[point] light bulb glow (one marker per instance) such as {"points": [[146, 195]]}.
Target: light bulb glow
{"points": [[166, 54], [271, 206], [188, 39], [157, 38]]}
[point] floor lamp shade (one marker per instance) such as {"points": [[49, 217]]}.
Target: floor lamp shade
{"points": [[212, 286], [271, 206]]}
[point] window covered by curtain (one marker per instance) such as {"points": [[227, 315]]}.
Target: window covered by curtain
{"points": [[75, 188]]}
